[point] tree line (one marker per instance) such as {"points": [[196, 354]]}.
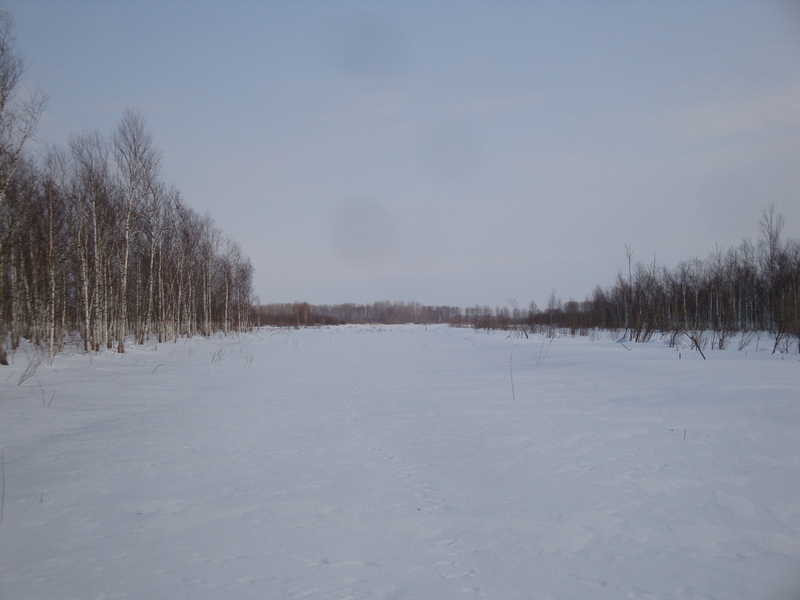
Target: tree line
{"points": [[94, 245], [302, 314], [750, 287], [745, 288]]}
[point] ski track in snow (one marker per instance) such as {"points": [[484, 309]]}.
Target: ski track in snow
{"points": [[392, 462]]}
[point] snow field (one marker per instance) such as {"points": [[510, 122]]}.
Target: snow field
{"points": [[394, 462]]}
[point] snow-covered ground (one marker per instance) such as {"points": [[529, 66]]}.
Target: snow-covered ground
{"points": [[398, 462]]}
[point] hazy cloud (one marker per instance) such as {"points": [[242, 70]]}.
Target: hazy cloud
{"points": [[451, 150], [743, 113], [363, 233], [371, 47]]}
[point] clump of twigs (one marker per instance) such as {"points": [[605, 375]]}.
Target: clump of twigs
{"points": [[217, 356], [33, 365], [46, 403], [541, 354], [698, 340]]}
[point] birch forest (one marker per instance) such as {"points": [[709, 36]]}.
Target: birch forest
{"points": [[95, 248]]}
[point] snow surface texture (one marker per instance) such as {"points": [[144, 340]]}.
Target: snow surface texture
{"points": [[396, 462]]}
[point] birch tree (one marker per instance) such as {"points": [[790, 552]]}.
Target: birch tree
{"points": [[92, 219], [138, 163], [19, 116]]}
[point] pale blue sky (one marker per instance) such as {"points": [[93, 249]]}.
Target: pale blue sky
{"points": [[445, 152]]}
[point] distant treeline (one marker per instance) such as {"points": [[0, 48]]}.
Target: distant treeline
{"points": [[94, 246], [301, 314], [745, 288]]}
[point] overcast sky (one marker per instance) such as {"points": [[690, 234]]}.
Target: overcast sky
{"points": [[452, 152]]}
